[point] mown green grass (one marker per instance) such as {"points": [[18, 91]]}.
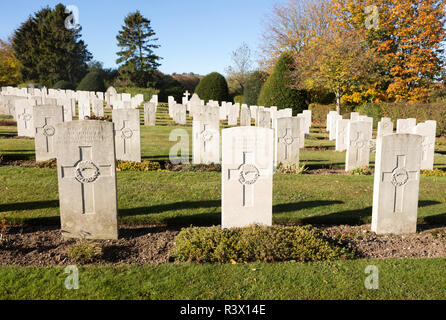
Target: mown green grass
{"points": [[30, 195], [397, 279]]}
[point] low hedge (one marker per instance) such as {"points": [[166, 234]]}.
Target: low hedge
{"points": [[420, 111], [255, 243], [137, 166]]}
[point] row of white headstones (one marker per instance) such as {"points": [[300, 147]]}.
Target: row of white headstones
{"points": [[85, 151], [37, 117], [354, 136], [88, 195]]}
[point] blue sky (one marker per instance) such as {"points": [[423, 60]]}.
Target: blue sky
{"points": [[195, 35]]}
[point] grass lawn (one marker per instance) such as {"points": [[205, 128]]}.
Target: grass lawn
{"points": [[30, 196], [398, 279]]}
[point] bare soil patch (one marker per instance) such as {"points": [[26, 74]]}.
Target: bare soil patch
{"points": [[45, 246]]}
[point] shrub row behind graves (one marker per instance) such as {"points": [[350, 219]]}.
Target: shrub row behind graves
{"points": [[255, 243], [433, 173]]}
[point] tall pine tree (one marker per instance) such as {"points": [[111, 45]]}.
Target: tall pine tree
{"points": [[137, 59], [48, 51]]}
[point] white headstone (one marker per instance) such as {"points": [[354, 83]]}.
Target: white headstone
{"points": [[149, 114], [87, 179], [45, 120], [359, 134], [405, 125], [341, 134], [287, 141], [25, 120], [247, 176], [385, 126], [206, 136], [396, 186], [428, 131], [127, 134]]}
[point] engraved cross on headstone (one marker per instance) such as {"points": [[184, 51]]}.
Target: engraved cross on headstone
{"points": [[86, 172], [426, 146], [399, 177], [358, 143], [247, 175], [48, 131], [126, 133], [206, 136], [288, 140], [25, 117]]}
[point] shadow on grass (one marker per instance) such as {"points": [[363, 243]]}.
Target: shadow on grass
{"points": [[360, 216], [20, 206], [169, 207], [289, 207]]}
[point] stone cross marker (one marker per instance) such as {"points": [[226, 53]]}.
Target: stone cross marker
{"points": [[87, 179], [127, 134], [247, 172], [359, 134], [287, 141], [45, 120], [149, 114], [206, 136], [25, 121], [396, 185]]}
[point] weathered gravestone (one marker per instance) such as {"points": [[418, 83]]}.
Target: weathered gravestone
{"points": [[427, 131], [67, 108], [98, 107], [206, 136], [245, 116], [149, 114], [84, 107], [247, 176], [233, 114], [359, 134], [263, 118], [287, 141], [329, 122], [396, 185], [25, 121], [87, 179], [405, 125], [307, 115], [354, 116], [301, 118], [45, 120], [385, 126], [179, 114], [127, 134], [341, 134]]}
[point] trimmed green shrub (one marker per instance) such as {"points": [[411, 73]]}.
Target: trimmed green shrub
{"points": [[138, 166], [93, 81], [64, 85], [255, 243], [213, 87], [85, 252], [253, 86], [277, 91]]}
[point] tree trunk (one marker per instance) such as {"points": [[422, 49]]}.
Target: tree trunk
{"points": [[338, 102]]}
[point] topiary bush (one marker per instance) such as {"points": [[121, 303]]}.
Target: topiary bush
{"points": [[64, 85], [255, 243], [93, 81], [253, 86], [213, 87], [276, 91]]}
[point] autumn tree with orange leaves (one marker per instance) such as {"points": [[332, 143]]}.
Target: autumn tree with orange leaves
{"points": [[9, 65]]}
